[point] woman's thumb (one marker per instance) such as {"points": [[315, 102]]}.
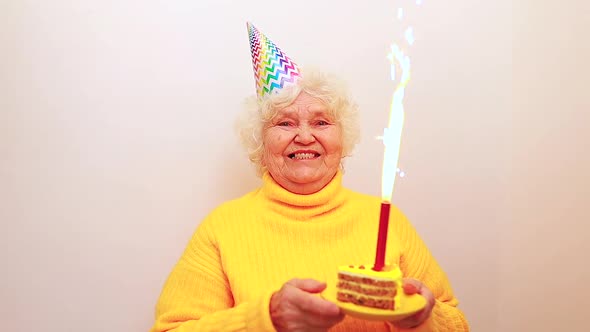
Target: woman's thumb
{"points": [[308, 285]]}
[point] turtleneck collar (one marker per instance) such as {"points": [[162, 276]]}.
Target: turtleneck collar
{"points": [[303, 207]]}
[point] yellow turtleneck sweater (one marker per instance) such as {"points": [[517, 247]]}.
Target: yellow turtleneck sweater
{"points": [[247, 248]]}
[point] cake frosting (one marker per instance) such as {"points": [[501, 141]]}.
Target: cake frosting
{"points": [[366, 287]]}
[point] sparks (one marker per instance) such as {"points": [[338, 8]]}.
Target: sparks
{"points": [[400, 67], [392, 134]]}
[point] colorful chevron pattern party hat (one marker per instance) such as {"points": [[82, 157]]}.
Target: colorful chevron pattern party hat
{"points": [[273, 69]]}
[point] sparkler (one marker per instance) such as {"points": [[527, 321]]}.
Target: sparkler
{"points": [[392, 140]]}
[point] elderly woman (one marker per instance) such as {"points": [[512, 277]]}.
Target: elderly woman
{"points": [[258, 263]]}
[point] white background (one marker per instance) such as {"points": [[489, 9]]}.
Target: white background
{"points": [[116, 139]]}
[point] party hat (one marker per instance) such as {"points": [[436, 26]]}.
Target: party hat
{"points": [[273, 69]]}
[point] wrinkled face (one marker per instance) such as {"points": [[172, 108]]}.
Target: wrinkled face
{"points": [[303, 146]]}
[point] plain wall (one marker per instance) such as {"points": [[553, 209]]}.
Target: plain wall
{"points": [[544, 257], [116, 139]]}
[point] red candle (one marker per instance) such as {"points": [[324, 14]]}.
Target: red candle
{"points": [[382, 237]]}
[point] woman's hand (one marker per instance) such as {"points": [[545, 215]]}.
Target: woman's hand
{"points": [[413, 286], [295, 308]]}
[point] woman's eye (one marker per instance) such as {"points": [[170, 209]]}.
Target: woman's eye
{"points": [[323, 123], [284, 123]]}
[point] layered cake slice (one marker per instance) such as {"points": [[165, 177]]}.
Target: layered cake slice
{"points": [[365, 287]]}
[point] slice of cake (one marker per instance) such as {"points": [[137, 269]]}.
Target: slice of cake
{"points": [[365, 287]]}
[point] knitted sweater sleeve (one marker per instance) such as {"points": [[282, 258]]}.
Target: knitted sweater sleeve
{"points": [[197, 294], [417, 262]]}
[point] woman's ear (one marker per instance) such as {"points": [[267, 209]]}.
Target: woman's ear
{"points": [[263, 156]]}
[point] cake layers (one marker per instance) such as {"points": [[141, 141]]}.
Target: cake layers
{"points": [[366, 287]]}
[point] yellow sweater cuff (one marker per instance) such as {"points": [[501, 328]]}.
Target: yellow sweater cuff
{"points": [[258, 319]]}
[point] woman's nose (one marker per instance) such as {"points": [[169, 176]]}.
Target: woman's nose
{"points": [[305, 135]]}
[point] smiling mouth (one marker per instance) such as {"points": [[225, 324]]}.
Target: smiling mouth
{"points": [[303, 156]]}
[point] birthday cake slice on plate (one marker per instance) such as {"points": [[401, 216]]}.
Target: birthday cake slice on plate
{"points": [[366, 287]]}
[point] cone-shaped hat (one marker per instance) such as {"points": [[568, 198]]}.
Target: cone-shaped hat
{"points": [[273, 69]]}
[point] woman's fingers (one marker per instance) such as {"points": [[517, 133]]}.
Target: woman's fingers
{"points": [[315, 305], [296, 307], [410, 288], [413, 286], [319, 312]]}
